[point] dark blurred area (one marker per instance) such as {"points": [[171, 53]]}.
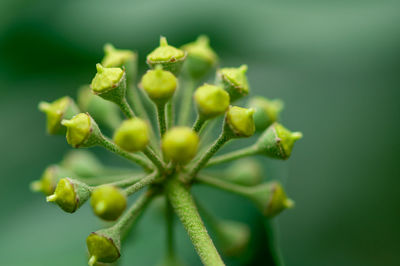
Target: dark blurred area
{"points": [[335, 64]]}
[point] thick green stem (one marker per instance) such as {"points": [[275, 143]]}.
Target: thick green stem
{"points": [[199, 123], [109, 145], [224, 185], [132, 214], [186, 101], [184, 206], [116, 180], [141, 184], [126, 109], [162, 124], [233, 155], [219, 142], [154, 158]]}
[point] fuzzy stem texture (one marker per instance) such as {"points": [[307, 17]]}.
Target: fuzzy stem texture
{"points": [[162, 124], [142, 183], [184, 206], [224, 185], [219, 142], [126, 109], [109, 145], [199, 123]]}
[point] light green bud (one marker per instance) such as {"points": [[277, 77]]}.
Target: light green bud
{"points": [[245, 172], [168, 56], [82, 131], [63, 108], [180, 144], [266, 111], [109, 83], [277, 142], [240, 121], [104, 112], [201, 58], [232, 237], [132, 135], [270, 198], [83, 163], [211, 100], [116, 57], [70, 194], [234, 81], [104, 246], [48, 182], [108, 202], [159, 84]]}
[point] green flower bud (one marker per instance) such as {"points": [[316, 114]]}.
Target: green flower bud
{"points": [[132, 135], [201, 57], [277, 142], [245, 172], [232, 237], [234, 81], [180, 144], [239, 121], [211, 100], [48, 182], [108, 202], [104, 112], [104, 246], [168, 56], [116, 57], [82, 131], [270, 198], [109, 83], [63, 108], [159, 84], [70, 194], [83, 163], [266, 111]]}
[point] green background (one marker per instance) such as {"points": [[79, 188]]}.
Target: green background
{"points": [[334, 63]]}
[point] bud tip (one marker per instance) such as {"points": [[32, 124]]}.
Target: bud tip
{"points": [[51, 198], [92, 261], [36, 186], [163, 41], [99, 68], [44, 106], [297, 135], [288, 203]]}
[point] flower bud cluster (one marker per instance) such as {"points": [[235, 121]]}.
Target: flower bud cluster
{"points": [[173, 162]]}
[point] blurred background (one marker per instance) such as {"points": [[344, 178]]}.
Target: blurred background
{"points": [[334, 63]]}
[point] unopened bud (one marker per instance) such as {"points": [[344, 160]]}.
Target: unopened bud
{"points": [[168, 56], [70, 194], [109, 83], [240, 121], [132, 135], [232, 237], [270, 198], [159, 84], [180, 144], [211, 100], [234, 81], [266, 111], [245, 172], [108, 202], [116, 57], [201, 57], [277, 142], [48, 182], [82, 131], [104, 246], [63, 108]]}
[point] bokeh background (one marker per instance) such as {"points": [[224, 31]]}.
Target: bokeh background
{"points": [[334, 63]]}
